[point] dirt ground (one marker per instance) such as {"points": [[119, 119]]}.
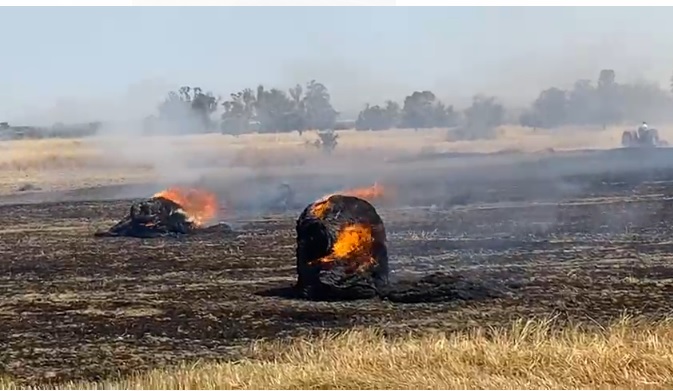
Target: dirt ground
{"points": [[587, 247]]}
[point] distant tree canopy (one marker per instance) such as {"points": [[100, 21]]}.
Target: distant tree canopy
{"points": [[308, 106], [379, 118], [188, 107], [481, 118], [421, 109], [605, 103], [275, 110]]}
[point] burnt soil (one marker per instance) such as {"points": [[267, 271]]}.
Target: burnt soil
{"points": [[73, 306]]}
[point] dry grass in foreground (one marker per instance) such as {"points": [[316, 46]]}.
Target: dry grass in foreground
{"points": [[535, 354]]}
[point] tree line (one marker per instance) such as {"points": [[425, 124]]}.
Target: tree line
{"points": [[604, 103], [309, 106]]}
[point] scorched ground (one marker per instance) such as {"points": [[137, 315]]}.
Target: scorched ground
{"points": [[74, 306]]}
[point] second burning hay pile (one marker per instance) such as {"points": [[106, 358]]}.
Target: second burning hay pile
{"points": [[170, 212]]}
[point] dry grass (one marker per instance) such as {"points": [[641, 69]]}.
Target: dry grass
{"points": [[73, 153], [21, 155], [103, 161], [533, 354]]}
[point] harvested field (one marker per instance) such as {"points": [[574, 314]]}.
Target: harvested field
{"points": [[75, 307], [532, 354]]}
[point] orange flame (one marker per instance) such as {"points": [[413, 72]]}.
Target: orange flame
{"points": [[354, 245], [376, 191], [370, 193], [319, 208], [199, 205]]}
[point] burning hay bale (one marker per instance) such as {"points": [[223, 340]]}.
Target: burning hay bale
{"points": [[170, 212], [342, 255], [341, 250]]}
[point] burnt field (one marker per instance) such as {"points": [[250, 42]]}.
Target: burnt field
{"points": [[73, 306]]}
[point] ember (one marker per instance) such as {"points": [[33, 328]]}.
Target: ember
{"points": [[341, 249], [170, 212]]}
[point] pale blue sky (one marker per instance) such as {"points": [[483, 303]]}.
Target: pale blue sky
{"points": [[72, 62]]}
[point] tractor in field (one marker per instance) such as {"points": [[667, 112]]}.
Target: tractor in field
{"points": [[644, 136]]}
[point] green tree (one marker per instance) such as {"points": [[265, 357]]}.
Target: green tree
{"points": [[318, 110], [481, 118], [237, 113], [422, 110], [188, 108], [377, 117], [582, 103], [549, 109], [608, 97], [275, 110]]}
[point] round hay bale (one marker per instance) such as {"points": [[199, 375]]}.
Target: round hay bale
{"points": [[341, 250]]}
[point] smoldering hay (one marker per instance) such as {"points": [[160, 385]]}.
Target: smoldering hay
{"points": [[342, 254], [341, 250], [171, 212]]}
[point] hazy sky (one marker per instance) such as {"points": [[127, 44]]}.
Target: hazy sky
{"points": [[67, 63]]}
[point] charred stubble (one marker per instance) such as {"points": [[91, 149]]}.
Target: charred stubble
{"points": [[73, 306]]}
